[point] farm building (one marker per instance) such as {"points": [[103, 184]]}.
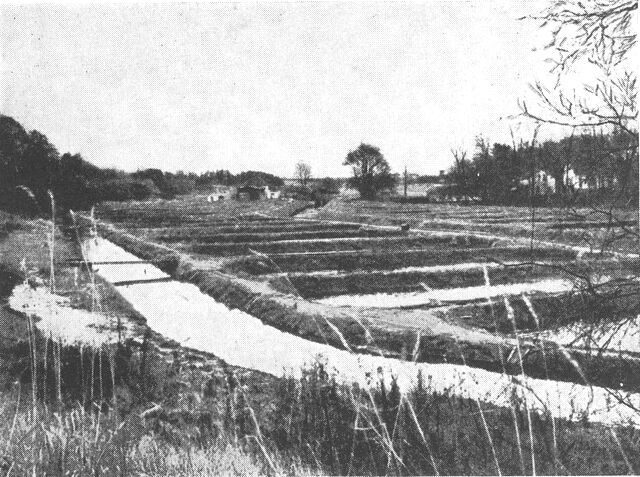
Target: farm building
{"points": [[575, 181], [220, 193], [600, 179], [545, 183], [256, 192]]}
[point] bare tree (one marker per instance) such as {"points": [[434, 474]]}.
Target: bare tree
{"points": [[461, 170], [303, 173], [598, 34]]}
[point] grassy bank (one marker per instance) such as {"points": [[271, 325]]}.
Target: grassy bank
{"points": [[198, 211], [397, 242], [193, 232], [369, 260], [214, 237], [311, 286]]}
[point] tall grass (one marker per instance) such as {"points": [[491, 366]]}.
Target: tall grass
{"points": [[313, 424]]}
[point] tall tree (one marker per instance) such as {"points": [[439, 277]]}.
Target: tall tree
{"points": [[371, 171], [461, 171], [555, 158], [39, 166], [303, 173], [13, 142], [71, 185], [482, 170]]}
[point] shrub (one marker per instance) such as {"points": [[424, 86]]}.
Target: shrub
{"points": [[123, 189]]}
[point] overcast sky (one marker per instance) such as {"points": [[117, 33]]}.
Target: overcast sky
{"points": [[262, 86]]}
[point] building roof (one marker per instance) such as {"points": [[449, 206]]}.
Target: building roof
{"points": [[257, 182], [220, 188], [252, 187]]}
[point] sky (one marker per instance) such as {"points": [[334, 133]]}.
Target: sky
{"points": [[205, 86]]}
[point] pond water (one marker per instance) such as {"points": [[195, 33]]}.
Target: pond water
{"points": [[444, 295]]}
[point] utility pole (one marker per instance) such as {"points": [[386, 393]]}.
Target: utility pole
{"points": [[405, 181]]}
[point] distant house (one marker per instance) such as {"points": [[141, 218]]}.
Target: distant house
{"points": [[600, 179], [545, 183], [273, 194], [575, 181], [219, 193], [257, 192]]}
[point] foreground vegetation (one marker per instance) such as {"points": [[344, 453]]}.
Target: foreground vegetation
{"points": [[311, 426]]}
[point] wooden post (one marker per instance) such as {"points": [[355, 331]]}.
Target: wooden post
{"points": [[405, 181]]}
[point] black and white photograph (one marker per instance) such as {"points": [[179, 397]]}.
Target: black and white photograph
{"points": [[310, 238]]}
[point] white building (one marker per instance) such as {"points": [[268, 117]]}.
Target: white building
{"points": [[219, 193], [544, 183], [575, 181], [271, 194], [257, 192]]}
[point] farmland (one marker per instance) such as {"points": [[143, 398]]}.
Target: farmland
{"points": [[374, 286]]}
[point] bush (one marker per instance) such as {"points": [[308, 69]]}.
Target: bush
{"points": [[298, 192], [123, 189]]}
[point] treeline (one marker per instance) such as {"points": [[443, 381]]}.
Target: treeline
{"points": [[224, 177], [30, 167], [577, 166]]}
